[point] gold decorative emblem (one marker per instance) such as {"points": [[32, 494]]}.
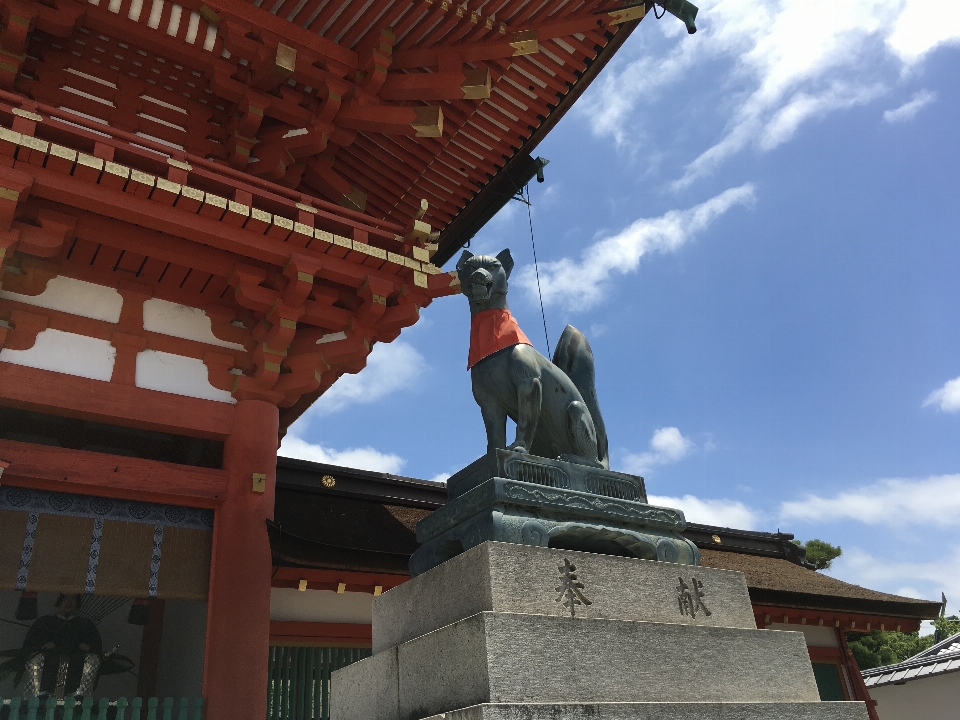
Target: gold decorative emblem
{"points": [[328, 481], [716, 539]]}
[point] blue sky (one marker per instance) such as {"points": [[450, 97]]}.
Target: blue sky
{"points": [[757, 229]]}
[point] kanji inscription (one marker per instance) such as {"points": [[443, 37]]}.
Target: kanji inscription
{"points": [[690, 598], [571, 588]]}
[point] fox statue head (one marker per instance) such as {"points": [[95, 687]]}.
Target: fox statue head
{"points": [[483, 279]]}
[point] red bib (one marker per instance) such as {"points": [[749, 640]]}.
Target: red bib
{"points": [[493, 330]]}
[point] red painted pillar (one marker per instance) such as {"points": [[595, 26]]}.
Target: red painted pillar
{"points": [[238, 616], [859, 688]]}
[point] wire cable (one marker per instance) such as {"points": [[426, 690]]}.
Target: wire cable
{"points": [[536, 267]]}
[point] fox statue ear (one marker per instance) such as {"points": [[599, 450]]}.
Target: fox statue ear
{"points": [[463, 259], [506, 259]]}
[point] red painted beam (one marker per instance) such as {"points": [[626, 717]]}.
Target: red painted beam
{"points": [[320, 579], [302, 39], [88, 473], [825, 654], [321, 634], [59, 394], [862, 622], [207, 231]]}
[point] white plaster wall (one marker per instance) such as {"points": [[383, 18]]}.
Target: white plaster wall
{"points": [[182, 321], [178, 375], [815, 635], [76, 297], [66, 353], [290, 604], [932, 698]]}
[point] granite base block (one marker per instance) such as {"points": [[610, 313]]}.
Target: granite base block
{"points": [[516, 658], [505, 577], [367, 689], [660, 711]]}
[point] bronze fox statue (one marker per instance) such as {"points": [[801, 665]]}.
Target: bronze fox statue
{"points": [[554, 404]]}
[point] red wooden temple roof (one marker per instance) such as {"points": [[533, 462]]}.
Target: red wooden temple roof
{"points": [[374, 105], [297, 169]]}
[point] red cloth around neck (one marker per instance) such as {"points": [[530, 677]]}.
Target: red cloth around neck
{"points": [[493, 330]]}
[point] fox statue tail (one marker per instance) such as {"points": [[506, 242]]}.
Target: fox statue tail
{"points": [[574, 356]]}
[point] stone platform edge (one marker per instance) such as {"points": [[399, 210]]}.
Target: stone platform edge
{"points": [[659, 711]]}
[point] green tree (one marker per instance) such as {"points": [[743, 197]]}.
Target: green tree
{"points": [[946, 627], [878, 647], [820, 553]]}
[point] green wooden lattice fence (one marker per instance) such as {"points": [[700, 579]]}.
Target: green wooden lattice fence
{"points": [[299, 687], [103, 709]]}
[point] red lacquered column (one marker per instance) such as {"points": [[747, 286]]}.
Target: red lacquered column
{"points": [[238, 618]]}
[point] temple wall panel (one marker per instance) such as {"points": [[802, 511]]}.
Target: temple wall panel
{"points": [[125, 554], [186, 571], [76, 297], [816, 636], [177, 374], [60, 555], [88, 544], [292, 605], [68, 353], [13, 526], [182, 321]]}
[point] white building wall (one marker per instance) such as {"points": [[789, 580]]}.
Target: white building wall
{"points": [[929, 698], [93, 358], [75, 297], [290, 604], [178, 375], [66, 353], [815, 635], [182, 321]]}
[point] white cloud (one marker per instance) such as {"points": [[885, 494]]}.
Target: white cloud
{"points": [[909, 110], [440, 477], [783, 62], [926, 578], [946, 398], [723, 513], [784, 123], [363, 458], [894, 502], [579, 285], [922, 26], [390, 367], [666, 446], [908, 591]]}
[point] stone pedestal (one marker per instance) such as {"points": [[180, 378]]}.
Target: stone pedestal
{"points": [[510, 632], [513, 497]]}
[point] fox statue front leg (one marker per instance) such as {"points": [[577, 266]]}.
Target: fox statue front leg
{"points": [[529, 400]]}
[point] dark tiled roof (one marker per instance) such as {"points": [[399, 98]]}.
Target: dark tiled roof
{"points": [[366, 521], [942, 658], [782, 583], [750, 542], [340, 533]]}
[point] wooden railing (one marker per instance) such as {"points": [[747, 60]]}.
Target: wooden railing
{"points": [[102, 709], [299, 681]]}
